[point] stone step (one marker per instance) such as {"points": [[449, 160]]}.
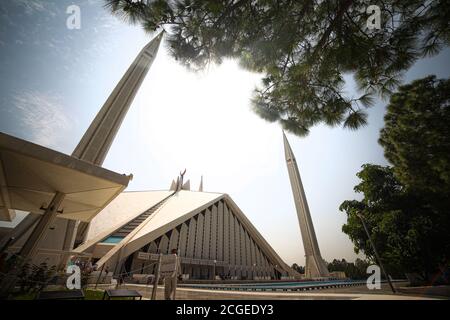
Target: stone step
{"points": [[129, 227], [120, 234]]}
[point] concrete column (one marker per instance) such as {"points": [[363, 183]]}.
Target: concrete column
{"points": [[174, 240], [214, 227], [232, 242], [183, 240], [220, 231], [153, 248], [259, 259], [199, 237], [248, 249], [253, 256], [242, 241], [206, 235], [30, 247], [226, 234], [191, 238], [164, 245], [27, 224], [237, 242]]}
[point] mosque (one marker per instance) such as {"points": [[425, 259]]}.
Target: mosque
{"points": [[74, 207]]}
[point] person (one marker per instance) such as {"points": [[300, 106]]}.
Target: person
{"points": [[71, 261], [106, 273], [88, 267], [170, 281]]}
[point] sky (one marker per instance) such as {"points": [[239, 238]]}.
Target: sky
{"points": [[53, 81]]}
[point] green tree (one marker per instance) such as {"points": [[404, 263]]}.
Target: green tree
{"points": [[361, 268], [416, 136], [355, 271], [303, 48], [299, 269], [409, 236], [406, 206]]}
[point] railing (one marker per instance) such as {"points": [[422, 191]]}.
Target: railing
{"points": [[276, 286], [205, 262]]}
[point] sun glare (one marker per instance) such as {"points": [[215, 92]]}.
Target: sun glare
{"points": [[203, 121]]}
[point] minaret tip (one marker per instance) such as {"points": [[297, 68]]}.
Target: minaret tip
{"points": [[160, 35], [200, 188], [289, 155], [155, 43]]}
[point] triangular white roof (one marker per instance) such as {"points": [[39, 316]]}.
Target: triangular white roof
{"points": [[125, 207], [177, 208]]}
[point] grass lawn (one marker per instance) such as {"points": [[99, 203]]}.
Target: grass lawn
{"points": [[24, 296], [91, 294]]}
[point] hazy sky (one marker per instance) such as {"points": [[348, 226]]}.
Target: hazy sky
{"points": [[54, 80]]}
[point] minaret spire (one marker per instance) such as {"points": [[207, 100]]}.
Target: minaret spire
{"points": [[314, 266], [98, 138], [200, 188]]}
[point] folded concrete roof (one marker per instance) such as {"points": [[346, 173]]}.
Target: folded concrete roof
{"points": [[30, 175], [177, 208]]}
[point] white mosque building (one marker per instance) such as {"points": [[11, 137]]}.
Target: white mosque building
{"points": [[77, 208]]}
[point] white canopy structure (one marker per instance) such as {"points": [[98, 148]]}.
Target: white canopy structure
{"points": [[31, 175]]}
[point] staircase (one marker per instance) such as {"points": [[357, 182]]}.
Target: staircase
{"points": [[133, 224]]}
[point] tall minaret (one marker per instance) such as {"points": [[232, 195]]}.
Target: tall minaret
{"points": [[200, 188], [314, 266], [97, 140], [92, 148]]}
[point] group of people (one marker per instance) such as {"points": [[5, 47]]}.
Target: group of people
{"points": [[86, 267], [170, 280]]}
